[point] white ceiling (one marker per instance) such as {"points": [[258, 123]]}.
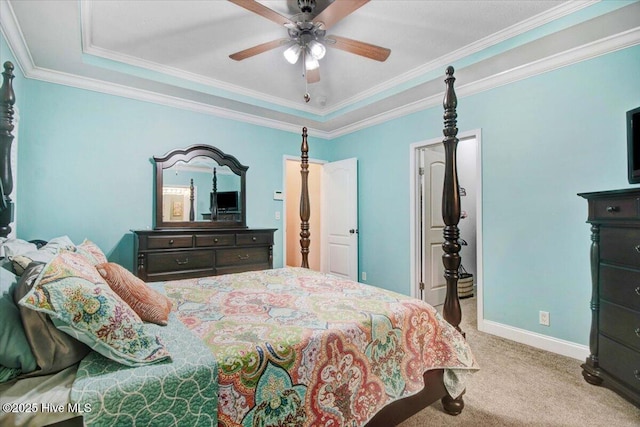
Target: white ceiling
{"points": [[177, 52]]}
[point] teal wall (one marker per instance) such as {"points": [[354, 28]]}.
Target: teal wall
{"points": [[85, 170], [544, 139]]}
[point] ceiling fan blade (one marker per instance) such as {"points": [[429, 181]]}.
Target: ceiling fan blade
{"points": [[338, 10], [359, 48], [313, 76], [255, 50], [265, 12]]}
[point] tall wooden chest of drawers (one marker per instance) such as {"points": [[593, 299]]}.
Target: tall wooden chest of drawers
{"points": [[170, 254], [614, 342]]}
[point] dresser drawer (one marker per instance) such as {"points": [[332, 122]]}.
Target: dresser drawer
{"points": [[254, 239], [621, 362], [241, 256], [620, 285], [615, 208], [242, 268], [179, 260], [215, 240], [620, 245], [168, 242], [621, 324]]}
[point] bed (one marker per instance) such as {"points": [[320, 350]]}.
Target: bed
{"points": [[287, 346]]}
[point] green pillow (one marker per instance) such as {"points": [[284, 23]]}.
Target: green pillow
{"points": [[16, 356]]}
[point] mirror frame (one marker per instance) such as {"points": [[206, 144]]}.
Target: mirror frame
{"points": [[185, 155]]}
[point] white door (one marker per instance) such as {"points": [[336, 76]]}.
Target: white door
{"points": [[431, 179], [340, 218]]}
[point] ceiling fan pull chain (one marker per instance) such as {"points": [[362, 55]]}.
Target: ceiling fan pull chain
{"points": [[307, 97]]}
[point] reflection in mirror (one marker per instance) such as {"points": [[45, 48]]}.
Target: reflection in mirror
{"points": [[200, 186], [216, 191]]}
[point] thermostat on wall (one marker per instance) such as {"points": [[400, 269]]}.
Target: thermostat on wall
{"points": [[277, 195]]}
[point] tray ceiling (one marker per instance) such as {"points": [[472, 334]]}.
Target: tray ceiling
{"points": [[177, 52]]}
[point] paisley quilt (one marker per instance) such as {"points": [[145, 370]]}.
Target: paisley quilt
{"points": [[301, 348]]}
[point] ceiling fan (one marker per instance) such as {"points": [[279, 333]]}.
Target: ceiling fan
{"points": [[307, 34]]}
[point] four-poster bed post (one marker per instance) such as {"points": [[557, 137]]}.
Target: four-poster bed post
{"points": [[7, 99], [451, 205], [305, 209]]}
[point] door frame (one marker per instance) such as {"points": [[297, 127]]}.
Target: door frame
{"points": [[283, 217], [413, 206]]}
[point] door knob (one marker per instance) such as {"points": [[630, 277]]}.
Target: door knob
{"points": [[353, 231]]}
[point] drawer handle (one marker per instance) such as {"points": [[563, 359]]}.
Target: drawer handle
{"points": [[186, 261], [215, 240], [243, 256], [638, 290], [171, 242], [254, 239], [612, 209], [637, 331], [637, 248]]}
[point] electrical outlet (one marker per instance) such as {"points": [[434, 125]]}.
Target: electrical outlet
{"points": [[364, 276], [544, 318], [277, 215]]}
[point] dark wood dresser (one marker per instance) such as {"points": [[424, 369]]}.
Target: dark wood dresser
{"points": [[186, 253], [614, 342]]}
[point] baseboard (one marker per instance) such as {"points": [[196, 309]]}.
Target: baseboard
{"points": [[543, 342]]}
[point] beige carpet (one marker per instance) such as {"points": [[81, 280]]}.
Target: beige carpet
{"points": [[518, 385]]}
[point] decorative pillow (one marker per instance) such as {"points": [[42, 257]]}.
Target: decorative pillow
{"points": [[148, 303], [53, 349], [11, 247], [16, 356], [45, 254], [92, 252], [80, 303]]}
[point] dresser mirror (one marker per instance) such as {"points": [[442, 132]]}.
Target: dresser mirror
{"points": [[200, 187]]}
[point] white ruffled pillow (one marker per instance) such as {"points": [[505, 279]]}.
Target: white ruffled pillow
{"points": [[12, 247], [21, 261]]}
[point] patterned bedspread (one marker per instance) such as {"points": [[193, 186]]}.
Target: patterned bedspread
{"points": [[182, 392], [300, 348]]}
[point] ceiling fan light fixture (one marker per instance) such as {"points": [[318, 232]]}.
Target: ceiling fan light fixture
{"points": [[317, 49], [292, 53], [310, 63]]}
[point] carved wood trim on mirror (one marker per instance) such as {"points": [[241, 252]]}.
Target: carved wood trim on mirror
{"points": [[199, 187]]}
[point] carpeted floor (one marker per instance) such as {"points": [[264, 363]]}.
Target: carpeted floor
{"points": [[518, 385]]}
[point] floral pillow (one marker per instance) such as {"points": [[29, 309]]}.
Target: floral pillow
{"points": [[80, 303]]}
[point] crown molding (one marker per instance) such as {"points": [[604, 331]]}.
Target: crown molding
{"points": [[435, 65], [15, 39], [578, 54], [442, 62], [12, 33], [89, 49]]}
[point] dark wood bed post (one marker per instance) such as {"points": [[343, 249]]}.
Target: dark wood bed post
{"points": [[305, 209], [7, 99], [192, 211], [451, 216], [451, 205]]}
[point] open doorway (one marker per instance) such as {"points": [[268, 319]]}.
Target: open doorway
{"points": [[291, 220], [426, 223], [334, 232]]}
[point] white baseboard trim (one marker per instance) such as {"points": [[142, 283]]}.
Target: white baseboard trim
{"points": [[543, 342]]}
